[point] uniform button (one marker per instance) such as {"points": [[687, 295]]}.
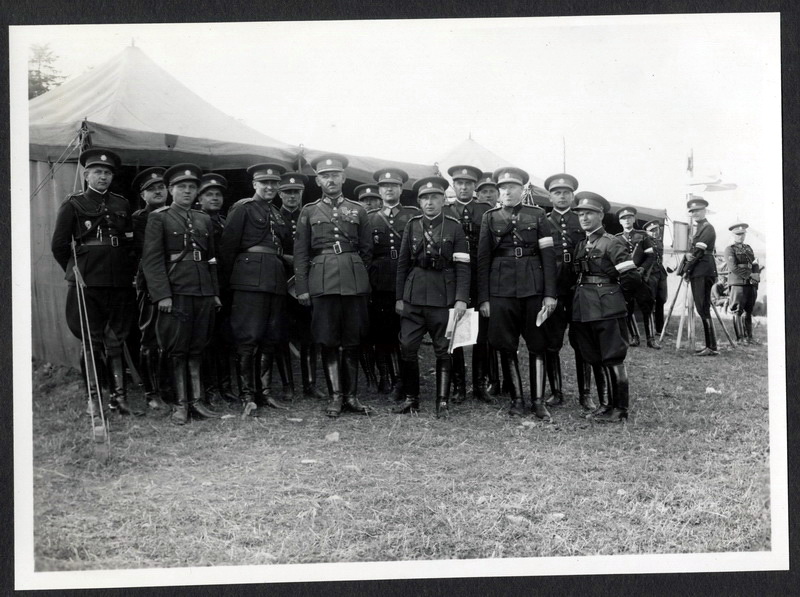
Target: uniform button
{"points": [[391, 241], [563, 244], [335, 228], [336, 235]]}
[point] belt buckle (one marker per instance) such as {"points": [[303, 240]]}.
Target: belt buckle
{"points": [[114, 241], [280, 250], [567, 257], [393, 253], [337, 248], [517, 252], [197, 255]]}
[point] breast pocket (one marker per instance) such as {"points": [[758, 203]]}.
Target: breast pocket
{"points": [[247, 269], [447, 248], [529, 232], [612, 302]]}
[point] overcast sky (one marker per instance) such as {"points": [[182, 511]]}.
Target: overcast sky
{"points": [[628, 96]]}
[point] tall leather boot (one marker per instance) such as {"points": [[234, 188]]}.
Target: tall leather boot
{"points": [[511, 372], [493, 372], [245, 368], [633, 329], [367, 358], [710, 349], [149, 369], [583, 373], [479, 373], [119, 389], [333, 377], [382, 362], [536, 366], [308, 370], [196, 383], [748, 329], [618, 376], [180, 415], [410, 403], [267, 398], [283, 359], [350, 382], [648, 332], [603, 384], [396, 373], [212, 395], [443, 366], [458, 375], [737, 329], [224, 374], [552, 362], [165, 378], [658, 317]]}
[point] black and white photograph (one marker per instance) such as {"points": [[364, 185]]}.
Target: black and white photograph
{"points": [[397, 299]]}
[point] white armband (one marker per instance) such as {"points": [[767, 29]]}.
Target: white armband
{"points": [[649, 250], [212, 261], [625, 266], [703, 246], [461, 257], [546, 242]]}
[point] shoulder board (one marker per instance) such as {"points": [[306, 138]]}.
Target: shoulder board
{"points": [[608, 235], [412, 208], [495, 208], [418, 216], [536, 207], [372, 211], [446, 217], [243, 201], [199, 211], [310, 204], [353, 202], [117, 195], [617, 234], [160, 209]]}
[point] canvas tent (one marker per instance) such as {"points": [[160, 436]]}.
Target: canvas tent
{"points": [[134, 107]]}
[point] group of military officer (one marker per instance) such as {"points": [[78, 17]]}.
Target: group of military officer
{"points": [[365, 285]]}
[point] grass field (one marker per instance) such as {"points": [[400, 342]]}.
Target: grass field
{"points": [[687, 473]]}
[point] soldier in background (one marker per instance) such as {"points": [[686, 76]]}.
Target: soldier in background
{"points": [[598, 307], [432, 277], [179, 263], [743, 278], [517, 283], [701, 271], [149, 185], [642, 251], [332, 254], [298, 317], [252, 249], [656, 276], [486, 190], [99, 222], [217, 357], [368, 196], [386, 226], [470, 213]]}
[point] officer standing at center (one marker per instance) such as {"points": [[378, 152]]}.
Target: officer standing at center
{"points": [[517, 283], [387, 225], [598, 307], [432, 276], [332, 254], [701, 271], [252, 249], [470, 212]]}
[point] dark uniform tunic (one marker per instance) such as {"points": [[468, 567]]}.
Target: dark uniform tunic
{"points": [[743, 288], [386, 226], [433, 272], [222, 321], [332, 252], [516, 269], [470, 215], [298, 316], [251, 252], [655, 276], [101, 225], [598, 307], [148, 312], [642, 251], [567, 233], [702, 269], [179, 261]]}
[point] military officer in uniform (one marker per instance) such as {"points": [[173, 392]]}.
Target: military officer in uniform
{"points": [[255, 240], [567, 232], [486, 190], [656, 276], [432, 276], [217, 369], [701, 271], [470, 212], [332, 254], [99, 223], [598, 306], [642, 250], [149, 185], [179, 263], [743, 278], [387, 225], [368, 196], [299, 317], [517, 283]]}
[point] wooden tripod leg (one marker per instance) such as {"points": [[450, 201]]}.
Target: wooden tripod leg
{"points": [[671, 307], [722, 323]]}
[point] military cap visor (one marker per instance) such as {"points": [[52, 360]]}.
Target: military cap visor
{"points": [[430, 184], [559, 181], [652, 224], [329, 163], [513, 175], [293, 180], [464, 172], [696, 203], [367, 190], [625, 212], [97, 156], [486, 179], [390, 176], [212, 180], [586, 200], [739, 228], [147, 178], [182, 172], [266, 171]]}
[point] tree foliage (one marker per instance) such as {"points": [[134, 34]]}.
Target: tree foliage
{"points": [[42, 73]]}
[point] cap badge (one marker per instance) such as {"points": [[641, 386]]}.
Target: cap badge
{"points": [[429, 185], [187, 172], [291, 180], [369, 190], [213, 181], [269, 170], [328, 162], [104, 158], [153, 175], [463, 171], [388, 175]]}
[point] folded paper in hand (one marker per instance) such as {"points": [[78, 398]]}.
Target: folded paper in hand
{"points": [[463, 332], [543, 314]]}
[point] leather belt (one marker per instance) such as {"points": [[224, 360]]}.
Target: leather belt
{"points": [[195, 255], [336, 249], [393, 254], [516, 252], [263, 249], [595, 280], [112, 241]]}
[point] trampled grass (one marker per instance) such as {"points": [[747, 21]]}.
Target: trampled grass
{"points": [[687, 473]]}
